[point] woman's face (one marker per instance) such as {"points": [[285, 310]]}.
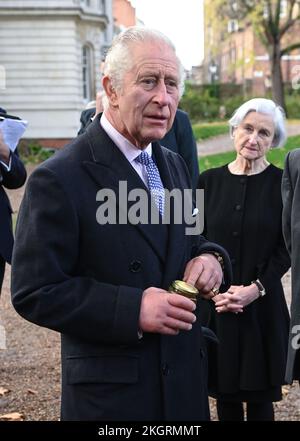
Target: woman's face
{"points": [[254, 136]]}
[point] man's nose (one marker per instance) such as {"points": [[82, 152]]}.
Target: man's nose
{"points": [[161, 96]]}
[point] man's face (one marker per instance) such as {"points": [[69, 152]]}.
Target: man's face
{"points": [[145, 106]]}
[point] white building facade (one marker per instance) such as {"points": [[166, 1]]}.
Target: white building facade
{"points": [[50, 57]]}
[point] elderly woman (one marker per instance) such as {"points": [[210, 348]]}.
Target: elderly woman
{"points": [[243, 213]]}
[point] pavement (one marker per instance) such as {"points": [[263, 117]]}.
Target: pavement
{"points": [[223, 143]]}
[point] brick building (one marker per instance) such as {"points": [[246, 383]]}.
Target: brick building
{"points": [[124, 14], [234, 54]]}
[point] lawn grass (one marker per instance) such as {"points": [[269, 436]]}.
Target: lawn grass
{"points": [[208, 130], [275, 156]]}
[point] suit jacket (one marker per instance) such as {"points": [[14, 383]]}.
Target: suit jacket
{"points": [[291, 232], [179, 139], [15, 178], [86, 281]]}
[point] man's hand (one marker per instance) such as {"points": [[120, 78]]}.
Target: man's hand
{"points": [[205, 273], [165, 313], [4, 150]]}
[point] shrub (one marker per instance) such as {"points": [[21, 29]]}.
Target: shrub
{"points": [[32, 152], [204, 102], [293, 105]]}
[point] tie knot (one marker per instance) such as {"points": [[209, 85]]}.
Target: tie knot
{"points": [[144, 158]]}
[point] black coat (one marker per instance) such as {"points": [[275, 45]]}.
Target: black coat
{"points": [[291, 230], [179, 139], [86, 281], [15, 178], [243, 214]]}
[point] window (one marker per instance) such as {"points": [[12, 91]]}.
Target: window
{"points": [[102, 6], [105, 35], [87, 73], [233, 26]]}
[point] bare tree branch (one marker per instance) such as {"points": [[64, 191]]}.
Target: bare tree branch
{"points": [[290, 20], [289, 49]]}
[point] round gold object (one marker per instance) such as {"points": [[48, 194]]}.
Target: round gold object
{"points": [[185, 289]]}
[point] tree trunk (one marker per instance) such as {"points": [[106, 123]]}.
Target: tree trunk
{"points": [[277, 80]]}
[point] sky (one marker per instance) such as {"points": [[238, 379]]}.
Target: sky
{"points": [[181, 21]]}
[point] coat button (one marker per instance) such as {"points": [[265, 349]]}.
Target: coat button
{"points": [[135, 266], [235, 233], [233, 261], [238, 207], [165, 369], [243, 180]]}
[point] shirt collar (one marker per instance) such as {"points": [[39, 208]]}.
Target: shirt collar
{"points": [[130, 151]]}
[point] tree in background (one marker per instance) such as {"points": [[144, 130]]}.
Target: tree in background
{"points": [[270, 26]]}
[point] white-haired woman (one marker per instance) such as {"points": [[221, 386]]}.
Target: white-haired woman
{"points": [[243, 213]]}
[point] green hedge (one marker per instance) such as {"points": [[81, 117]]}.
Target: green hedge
{"points": [[32, 152], [293, 106], [204, 102]]}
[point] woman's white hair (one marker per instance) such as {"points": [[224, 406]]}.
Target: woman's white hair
{"points": [[267, 107], [118, 60]]}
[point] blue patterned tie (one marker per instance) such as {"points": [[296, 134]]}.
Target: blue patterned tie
{"points": [[154, 182]]}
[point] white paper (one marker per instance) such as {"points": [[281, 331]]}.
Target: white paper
{"points": [[12, 130]]}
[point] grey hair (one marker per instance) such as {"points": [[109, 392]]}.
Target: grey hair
{"points": [[268, 107], [119, 60]]}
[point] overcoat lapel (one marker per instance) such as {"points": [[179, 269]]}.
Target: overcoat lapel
{"points": [[175, 252], [108, 167]]}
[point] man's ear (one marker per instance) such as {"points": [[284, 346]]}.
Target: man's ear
{"points": [[110, 91]]}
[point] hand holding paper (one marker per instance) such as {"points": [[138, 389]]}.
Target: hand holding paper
{"points": [[12, 130]]}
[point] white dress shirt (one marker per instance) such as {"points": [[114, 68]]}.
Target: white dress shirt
{"points": [[8, 167], [130, 151]]}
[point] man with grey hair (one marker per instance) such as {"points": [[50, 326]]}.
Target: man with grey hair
{"points": [[131, 350]]}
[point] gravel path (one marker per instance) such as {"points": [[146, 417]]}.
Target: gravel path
{"points": [[30, 366]]}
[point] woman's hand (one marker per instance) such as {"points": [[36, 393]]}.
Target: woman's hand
{"points": [[236, 298]]}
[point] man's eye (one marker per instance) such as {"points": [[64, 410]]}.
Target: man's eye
{"points": [[171, 83], [149, 82]]}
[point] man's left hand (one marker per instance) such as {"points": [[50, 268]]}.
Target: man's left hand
{"points": [[205, 273]]}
